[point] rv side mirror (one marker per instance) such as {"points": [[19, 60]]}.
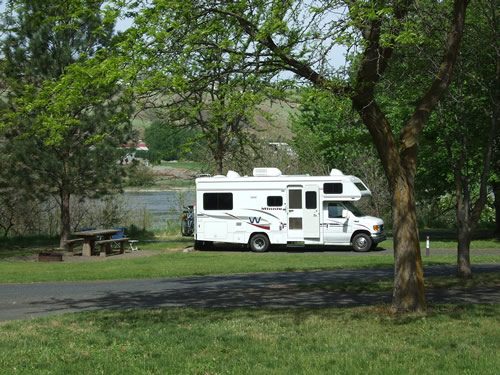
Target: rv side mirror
{"points": [[345, 213]]}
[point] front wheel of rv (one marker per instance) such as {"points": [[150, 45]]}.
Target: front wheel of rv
{"points": [[259, 243], [361, 242]]}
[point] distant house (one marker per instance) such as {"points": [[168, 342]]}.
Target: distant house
{"points": [[141, 147]]}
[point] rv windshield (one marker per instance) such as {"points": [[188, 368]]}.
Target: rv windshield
{"points": [[355, 210]]}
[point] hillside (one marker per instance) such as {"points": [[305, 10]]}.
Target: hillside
{"points": [[278, 129]]}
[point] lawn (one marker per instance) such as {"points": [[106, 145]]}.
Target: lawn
{"points": [[171, 263], [179, 264], [191, 165], [448, 339]]}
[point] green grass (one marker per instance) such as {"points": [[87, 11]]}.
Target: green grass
{"points": [[198, 263], [448, 339], [434, 282], [202, 263], [190, 165]]}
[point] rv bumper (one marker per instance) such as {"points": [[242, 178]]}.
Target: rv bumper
{"points": [[378, 237]]}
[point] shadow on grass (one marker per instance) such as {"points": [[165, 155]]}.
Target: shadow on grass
{"points": [[381, 313], [344, 250], [249, 291], [25, 246], [28, 242]]}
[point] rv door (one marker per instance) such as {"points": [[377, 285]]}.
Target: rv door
{"points": [[294, 211], [303, 212], [311, 212]]}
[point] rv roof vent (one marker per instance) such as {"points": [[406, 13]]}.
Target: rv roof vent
{"points": [[232, 174], [336, 172], [266, 172]]}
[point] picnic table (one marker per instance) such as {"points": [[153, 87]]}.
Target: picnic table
{"points": [[102, 237]]}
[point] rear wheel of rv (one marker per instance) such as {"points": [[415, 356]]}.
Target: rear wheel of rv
{"points": [[259, 243], [361, 242]]}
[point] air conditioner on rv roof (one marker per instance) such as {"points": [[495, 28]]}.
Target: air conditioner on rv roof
{"points": [[266, 172], [336, 172]]}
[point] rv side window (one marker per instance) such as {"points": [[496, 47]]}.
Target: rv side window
{"points": [[218, 201], [311, 201], [332, 188], [335, 210], [274, 201]]}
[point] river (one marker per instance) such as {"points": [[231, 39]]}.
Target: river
{"points": [[159, 206]]}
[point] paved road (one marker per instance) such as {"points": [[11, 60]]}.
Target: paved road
{"points": [[21, 301]]}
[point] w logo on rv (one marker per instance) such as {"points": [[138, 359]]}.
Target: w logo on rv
{"points": [[254, 219]]}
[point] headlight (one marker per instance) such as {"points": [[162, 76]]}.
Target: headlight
{"points": [[378, 228]]}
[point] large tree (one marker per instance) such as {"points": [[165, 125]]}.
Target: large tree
{"points": [[456, 150], [474, 102], [298, 36], [64, 113], [191, 81]]}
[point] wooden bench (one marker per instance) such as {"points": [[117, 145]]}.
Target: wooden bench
{"points": [[73, 241], [105, 245]]}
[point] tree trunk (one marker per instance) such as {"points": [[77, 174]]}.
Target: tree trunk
{"points": [[496, 191], [219, 151], [464, 270], [408, 292], [218, 161], [465, 223], [65, 220]]}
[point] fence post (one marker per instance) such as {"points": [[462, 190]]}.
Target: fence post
{"points": [[427, 246]]}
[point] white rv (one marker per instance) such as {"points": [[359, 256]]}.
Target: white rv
{"points": [[269, 208]]}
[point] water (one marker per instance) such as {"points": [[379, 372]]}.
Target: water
{"points": [[160, 205]]}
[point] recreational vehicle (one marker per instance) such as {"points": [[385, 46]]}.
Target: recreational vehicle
{"points": [[269, 209]]}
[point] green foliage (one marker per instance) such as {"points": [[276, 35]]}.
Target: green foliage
{"points": [[453, 152], [65, 111], [327, 126], [196, 81], [330, 135], [166, 141], [41, 39], [139, 174]]}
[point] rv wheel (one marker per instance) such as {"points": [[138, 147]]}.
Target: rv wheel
{"points": [[361, 242], [259, 243]]}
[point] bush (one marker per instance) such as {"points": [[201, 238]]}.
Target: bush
{"points": [[139, 174]]}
